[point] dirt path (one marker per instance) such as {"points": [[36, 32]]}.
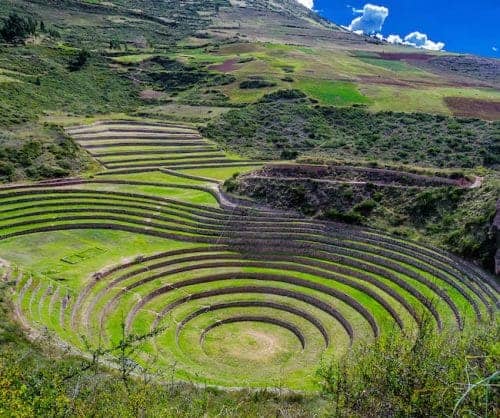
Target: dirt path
{"points": [[232, 202], [6, 274], [478, 181], [334, 182]]}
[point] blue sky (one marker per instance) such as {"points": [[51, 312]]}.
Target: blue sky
{"points": [[462, 26]]}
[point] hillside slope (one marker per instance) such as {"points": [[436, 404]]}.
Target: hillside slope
{"points": [[281, 42]]}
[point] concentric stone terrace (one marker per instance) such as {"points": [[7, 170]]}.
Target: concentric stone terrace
{"points": [[227, 293], [128, 145]]}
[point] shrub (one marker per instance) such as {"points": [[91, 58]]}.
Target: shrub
{"points": [[17, 28], [231, 184], [6, 169], [351, 217], [289, 154], [79, 60], [424, 376], [283, 95], [365, 207], [256, 84]]}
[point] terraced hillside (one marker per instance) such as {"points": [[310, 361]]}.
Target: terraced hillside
{"points": [[209, 288], [125, 145]]}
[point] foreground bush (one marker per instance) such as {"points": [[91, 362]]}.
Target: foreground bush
{"points": [[427, 376]]}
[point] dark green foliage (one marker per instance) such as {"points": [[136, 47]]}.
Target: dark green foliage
{"points": [[414, 138], [256, 83], [114, 44], [79, 61], [289, 154], [283, 95], [436, 200], [349, 217], [231, 184], [50, 155], [54, 33], [174, 76], [45, 84], [424, 376], [264, 129], [366, 207], [463, 224], [17, 28]]}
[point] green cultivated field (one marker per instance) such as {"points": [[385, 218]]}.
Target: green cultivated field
{"points": [[231, 294]]}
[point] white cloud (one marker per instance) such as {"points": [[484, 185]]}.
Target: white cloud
{"points": [[371, 20], [421, 40], [394, 39], [417, 40], [308, 3]]}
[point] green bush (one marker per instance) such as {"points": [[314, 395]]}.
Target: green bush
{"points": [[350, 217], [231, 184], [429, 375], [352, 133], [283, 95], [51, 155], [79, 61], [17, 28], [256, 84], [365, 207]]}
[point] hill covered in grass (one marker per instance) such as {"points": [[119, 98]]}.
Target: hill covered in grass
{"points": [[205, 57], [281, 126]]}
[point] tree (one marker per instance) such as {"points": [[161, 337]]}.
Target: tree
{"points": [[114, 44], [17, 28], [80, 60]]}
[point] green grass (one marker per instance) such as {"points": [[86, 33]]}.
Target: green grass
{"points": [[425, 100], [7, 79], [48, 249], [332, 92], [48, 85], [132, 59], [397, 66], [156, 177], [221, 173]]}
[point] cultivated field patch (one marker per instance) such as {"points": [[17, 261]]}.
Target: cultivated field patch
{"points": [[469, 107]]}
